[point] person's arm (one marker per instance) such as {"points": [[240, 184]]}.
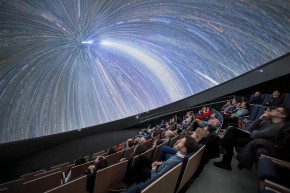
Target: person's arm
{"points": [[240, 113], [166, 166], [271, 131]]}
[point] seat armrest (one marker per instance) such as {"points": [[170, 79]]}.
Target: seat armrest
{"points": [[276, 187], [278, 162]]}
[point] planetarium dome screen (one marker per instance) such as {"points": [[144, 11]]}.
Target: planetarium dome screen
{"points": [[71, 64]]}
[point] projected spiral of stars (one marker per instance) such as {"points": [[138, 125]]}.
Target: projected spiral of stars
{"points": [[70, 64]]}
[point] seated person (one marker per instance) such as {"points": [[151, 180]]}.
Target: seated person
{"points": [[267, 126], [256, 98], [203, 114], [199, 133], [212, 124], [183, 147], [275, 100], [229, 107], [238, 113], [167, 135], [100, 163], [78, 161]]}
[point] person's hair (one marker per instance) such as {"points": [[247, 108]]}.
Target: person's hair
{"points": [[102, 163], [285, 112], [190, 144], [111, 151], [246, 104], [130, 142], [141, 148], [80, 161]]}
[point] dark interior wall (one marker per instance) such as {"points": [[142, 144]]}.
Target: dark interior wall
{"points": [[13, 151]]}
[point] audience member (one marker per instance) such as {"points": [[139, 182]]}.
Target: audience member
{"points": [[203, 114], [277, 147], [267, 126], [137, 170], [238, 113], [184, 146], [100, 163], [256, 98], [212, 124], [168, 135], [78, 161], [229, 107], [275, 100], [199, 133], [111, 150]]}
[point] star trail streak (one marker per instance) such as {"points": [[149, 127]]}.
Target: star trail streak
{"points": [[70, 64]]}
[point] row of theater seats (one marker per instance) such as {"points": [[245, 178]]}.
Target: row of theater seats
{"points": [[284, 96], [52, 181]]}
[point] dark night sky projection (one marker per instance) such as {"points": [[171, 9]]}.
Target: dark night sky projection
{"points": [[70, 64]]}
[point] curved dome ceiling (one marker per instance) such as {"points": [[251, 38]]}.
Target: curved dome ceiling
{"points": [[70, 64]]}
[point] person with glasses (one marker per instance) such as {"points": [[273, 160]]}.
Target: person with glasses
{"points": [[267, 127], [273, 141]]}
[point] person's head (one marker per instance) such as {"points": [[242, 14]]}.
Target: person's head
{"points": [[257, 93], [100, 162], [111, 151], [189, 113], [186, 145], [80, 161], [169, 134], [140, 148], [238, 105], [130, 143], [279, 114], [245, 105], [276, 93], [234, 102]]}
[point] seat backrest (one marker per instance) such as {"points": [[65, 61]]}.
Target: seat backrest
{"points": [[114, 158], [148, 153], [79, 170], [129, 152], [267, 97], [43, 183], [190, 168], [4, 190], [30, 175], [38, 175], [78, 185], [157, 152], [14, 186], [253, 112], [95, 155], [182, 134], [173, 140], [286, 101], [147, 143], [260, 112], [166, 182], [61, 167], [109, 176]]}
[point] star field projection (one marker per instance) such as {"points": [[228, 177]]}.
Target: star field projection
{"points": [[70, 64]]}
